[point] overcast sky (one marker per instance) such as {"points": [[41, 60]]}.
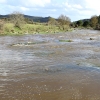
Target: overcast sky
{"points": [[74, 9]]}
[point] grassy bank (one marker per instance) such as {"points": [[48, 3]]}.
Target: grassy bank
{"points": [[36, 28]]}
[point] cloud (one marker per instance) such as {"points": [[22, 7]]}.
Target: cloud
{"points": [[24, 8], [11, 9], [73, 6], [35, 3], [29, 3], [83, 8], [75, 9], [77, 6], [93, 5], [2, 1]]}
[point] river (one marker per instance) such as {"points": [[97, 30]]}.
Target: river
{"points": [[50, 67]]}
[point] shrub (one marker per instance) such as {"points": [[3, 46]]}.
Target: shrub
{"points": [[1, 26], [17, 19]]}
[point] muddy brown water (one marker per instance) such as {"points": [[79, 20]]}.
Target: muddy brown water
{"points": [[41, 67]]}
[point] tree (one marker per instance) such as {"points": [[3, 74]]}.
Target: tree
{"points": [[94, 21], [99, 19], [17, 19], [79, 23], [64, 21], [28, 21], [86, 23], [52, 21]]}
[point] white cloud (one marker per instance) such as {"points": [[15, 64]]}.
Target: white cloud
{"points": [[75, 9], [73, 6], [11, 9], [2, 1], [67, 5], [28, 3], [85, 12], [85, 8], [53, 10], [93, 4], [24, 9], [77, 6], [35, 3]]}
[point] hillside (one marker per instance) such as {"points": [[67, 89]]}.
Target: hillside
{"points": [[34, 18], [37, 19]]}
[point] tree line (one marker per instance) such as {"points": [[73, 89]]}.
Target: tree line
{"points": [[93, 22], [63, 22]]}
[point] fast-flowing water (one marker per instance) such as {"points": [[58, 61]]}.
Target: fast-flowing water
{"points": [[50, 67]]}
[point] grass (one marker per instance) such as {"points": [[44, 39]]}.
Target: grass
{"points": [[37, 28], [65, 41]]}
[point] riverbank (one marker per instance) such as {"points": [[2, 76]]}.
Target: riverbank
{"points": [[36, 28]]}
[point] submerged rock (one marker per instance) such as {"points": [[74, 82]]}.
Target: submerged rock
{"points": [[66, 40], [27, 43], [91, 38]]}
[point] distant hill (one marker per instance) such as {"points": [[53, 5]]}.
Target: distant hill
{"points": [[34, 18], [4, 16], [83, 20], [37, 19]]}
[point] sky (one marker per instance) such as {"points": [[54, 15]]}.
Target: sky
{"points": [[74, 9]]}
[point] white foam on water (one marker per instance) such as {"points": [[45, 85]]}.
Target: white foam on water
{"points": [[90, 65], [2, 87], [4, 72]]}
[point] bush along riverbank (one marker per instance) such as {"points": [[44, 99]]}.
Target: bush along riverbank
{"points": [[37, 28]]}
